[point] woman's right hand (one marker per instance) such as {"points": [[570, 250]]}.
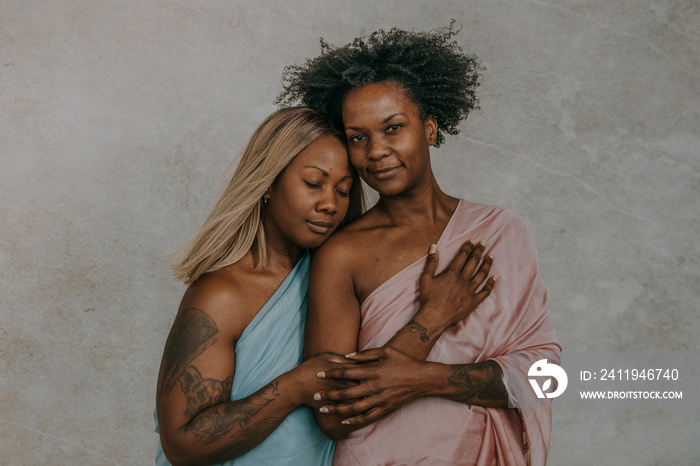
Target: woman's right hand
{"points": [[309, 383], [454, 293]]}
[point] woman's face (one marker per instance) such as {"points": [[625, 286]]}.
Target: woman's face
{"points": [[309, 199], [388, 141]]}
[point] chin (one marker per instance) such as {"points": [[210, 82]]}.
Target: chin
{"points": [[389, 191], [389, 188], [314, 245], [313, 242]]}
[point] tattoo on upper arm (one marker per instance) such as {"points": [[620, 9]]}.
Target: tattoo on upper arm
{"points": [[211, 414], [481, 381], [193, 332], [415, 327]]}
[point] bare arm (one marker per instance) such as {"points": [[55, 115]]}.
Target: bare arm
{"points": [[333, 324], [332, 321], [197, 422]]}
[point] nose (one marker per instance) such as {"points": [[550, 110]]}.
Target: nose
{"points": [[376, 149], [328, 201]]}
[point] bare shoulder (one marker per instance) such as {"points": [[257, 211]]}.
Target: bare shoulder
{"points": [[345, 248], [356, 234], [220, 300]]}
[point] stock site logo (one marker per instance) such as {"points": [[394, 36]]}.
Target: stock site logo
{"points": [[544, 369]]}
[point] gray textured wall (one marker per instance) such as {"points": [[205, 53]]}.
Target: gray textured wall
{"points": [[118, 120]]}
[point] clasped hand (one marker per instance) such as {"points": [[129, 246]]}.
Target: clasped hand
{"points": [[385, 380]]}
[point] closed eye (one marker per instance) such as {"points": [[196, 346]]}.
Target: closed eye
{"points": [[343, 193], [312, 185]]}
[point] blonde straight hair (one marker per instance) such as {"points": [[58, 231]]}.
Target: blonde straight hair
{"points": [[235, 224]]}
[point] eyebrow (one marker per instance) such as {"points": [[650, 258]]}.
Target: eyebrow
{"points": [[385, 120], [325, 173]]}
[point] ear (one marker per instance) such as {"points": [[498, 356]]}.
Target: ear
{"points": [[431, 128]]}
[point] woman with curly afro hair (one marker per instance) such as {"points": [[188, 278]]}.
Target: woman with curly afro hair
{"points": [[438, 348]]}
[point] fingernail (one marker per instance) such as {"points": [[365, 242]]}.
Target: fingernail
{"points": [[345, 422], [350, 355], [323, 410], [321, 375], [317, 396], [433, 248]]}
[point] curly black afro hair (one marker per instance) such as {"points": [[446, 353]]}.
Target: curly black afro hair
{"points": [[432, 70]]}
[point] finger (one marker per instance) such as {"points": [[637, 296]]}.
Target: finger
{"points": [[368, 355], [355, 392], [486, 290], [363, 418], [473, 260], [350, 372], [336, 358], [461, 258], [482, 272], [346, 410], [339, 384], [368, 417], [431, 265], [431, 262]]}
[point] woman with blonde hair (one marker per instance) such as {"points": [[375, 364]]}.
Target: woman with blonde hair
{"points": [[232, 387]]}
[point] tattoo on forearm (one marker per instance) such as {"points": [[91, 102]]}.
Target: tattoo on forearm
{"points": [[482, 381], [415, 327], [459, 379], [213, 421], [495, 389], [192, 333]]}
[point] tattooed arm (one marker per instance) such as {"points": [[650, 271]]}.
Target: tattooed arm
{"points": [[390, 379], [197, 422], [476, 384]]}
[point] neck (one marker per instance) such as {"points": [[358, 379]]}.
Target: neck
{"points": [[281, 255], [419, 208]]}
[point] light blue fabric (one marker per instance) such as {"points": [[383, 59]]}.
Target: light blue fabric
{"points": [[270, 346]]}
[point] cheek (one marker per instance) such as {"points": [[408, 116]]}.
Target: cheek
{"points": [[293, 193], [343, 205], [298, 203], [290, 202], [357, 157]]}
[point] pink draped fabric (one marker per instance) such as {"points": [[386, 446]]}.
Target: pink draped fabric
{"points": [[512, 327]]}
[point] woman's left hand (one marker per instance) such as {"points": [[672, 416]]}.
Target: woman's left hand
{"points": [[386, 379]]}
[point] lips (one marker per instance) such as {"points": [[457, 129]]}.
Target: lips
{"points": [[385, 172], [319, 227]]}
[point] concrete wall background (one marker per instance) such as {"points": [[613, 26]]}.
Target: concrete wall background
{"points": [[119, 118]]}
